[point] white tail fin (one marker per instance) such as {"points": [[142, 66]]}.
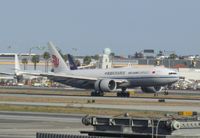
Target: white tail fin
{"points": [[58, 63], [17, 65]]}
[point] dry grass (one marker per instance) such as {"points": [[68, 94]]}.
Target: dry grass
{"points": [[83, 111], [91, 111]]}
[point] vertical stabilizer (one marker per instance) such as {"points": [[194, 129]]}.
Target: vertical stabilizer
{"points": [[59, 65], [17, 65], [71, 62]]}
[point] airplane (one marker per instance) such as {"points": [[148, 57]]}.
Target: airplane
{"points": [[20, 74], [73, 66], [151, 80], [16, 74]]}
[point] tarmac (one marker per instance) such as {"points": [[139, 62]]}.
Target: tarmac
{"points": [[25, 125]]}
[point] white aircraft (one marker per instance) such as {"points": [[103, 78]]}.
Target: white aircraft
{"points": [[151, 80], [16, 70], [20, 74]]}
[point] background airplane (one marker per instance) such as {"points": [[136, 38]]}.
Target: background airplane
{"points": [[73, 66], [19, 74]]}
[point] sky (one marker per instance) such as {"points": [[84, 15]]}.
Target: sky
{"points": [[125, 26]]}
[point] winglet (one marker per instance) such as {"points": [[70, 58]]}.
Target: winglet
{"points": [[17, 65]]}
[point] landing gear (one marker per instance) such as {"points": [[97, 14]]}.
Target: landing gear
{"points": [[97, 93], [123, 93], [166, 90], [166, 93], [155, 94]]}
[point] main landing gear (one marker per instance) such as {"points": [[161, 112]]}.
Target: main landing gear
{"points": [[97, 93], [123, 93], [166, 91]]}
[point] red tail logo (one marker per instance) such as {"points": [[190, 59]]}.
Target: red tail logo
{"points": [[55, 61]]}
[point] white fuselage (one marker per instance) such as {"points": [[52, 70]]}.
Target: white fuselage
{"points": [[143, 77]]}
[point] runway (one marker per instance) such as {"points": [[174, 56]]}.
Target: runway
{"points": [[163, 108], [66, 90], [152, 99], [25, 125], [109, 102]]}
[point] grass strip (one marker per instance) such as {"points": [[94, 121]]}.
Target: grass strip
{"points": [[82, 110]]}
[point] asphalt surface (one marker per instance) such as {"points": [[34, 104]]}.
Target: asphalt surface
{"points": [[165, 108], [68, 89], [151, 99], [25, 125]]}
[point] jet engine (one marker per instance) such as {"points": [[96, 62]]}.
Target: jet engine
{"points": [[105, 85], [153, 89]]}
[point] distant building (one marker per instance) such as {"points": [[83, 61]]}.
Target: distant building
{"points": [[104, 60], [149, 53]]}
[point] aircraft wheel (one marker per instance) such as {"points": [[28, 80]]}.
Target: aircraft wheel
{"points": [[119, 94], [155, 94], [97, 93], [123, 94], [127, 94], [166, 93]]}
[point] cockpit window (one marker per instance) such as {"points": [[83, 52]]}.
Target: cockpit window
{"points": [[172, 73]]}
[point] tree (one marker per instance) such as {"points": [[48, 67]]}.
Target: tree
{"points": [[65, 57], [46, 57], [112, 54], [139, 55], [25, 62], [78, 63], [35, 59], [173, 56], [96, 57], [87, 60]]}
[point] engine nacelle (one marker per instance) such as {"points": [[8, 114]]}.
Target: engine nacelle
{"points": [[105, 85], [153, 89]]}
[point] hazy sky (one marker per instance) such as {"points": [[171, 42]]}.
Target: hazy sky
{"points": [[125, 26]]}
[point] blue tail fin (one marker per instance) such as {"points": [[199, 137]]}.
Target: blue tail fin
{"points": [[71, 63]]}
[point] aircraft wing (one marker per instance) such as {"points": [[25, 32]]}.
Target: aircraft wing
{"points": [[8, 74], [51, 75], [60, 75]]}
